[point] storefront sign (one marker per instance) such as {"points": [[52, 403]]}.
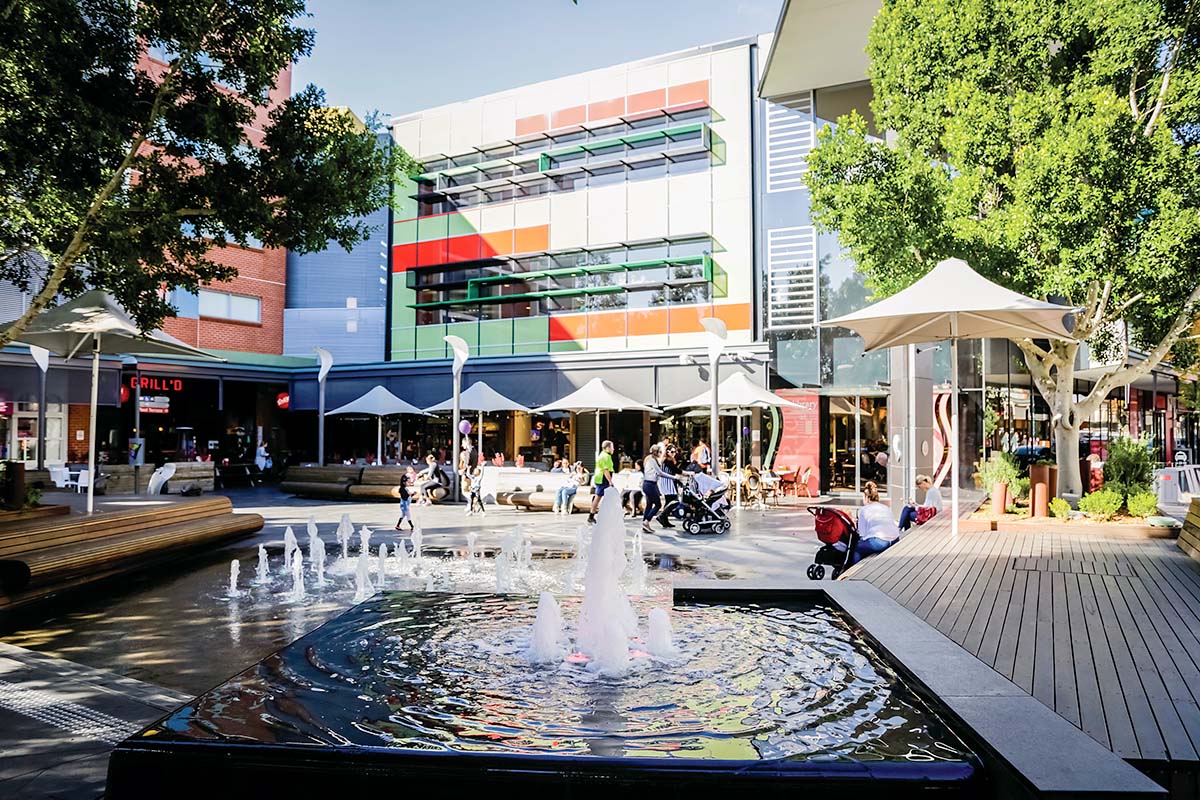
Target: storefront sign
{"points": [[155, 404], [283, 400], [149, 384], [6, 408]]}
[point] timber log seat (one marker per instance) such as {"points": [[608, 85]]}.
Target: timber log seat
{"points": [[544, 501], [330, 482], [379, 483], [1189, 534], [49, 556]]}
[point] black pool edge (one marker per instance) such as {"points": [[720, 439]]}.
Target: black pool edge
{"points": [[1031, 750]]}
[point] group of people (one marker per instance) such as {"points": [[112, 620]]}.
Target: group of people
{"points": [[424, 487], [877, 530]]}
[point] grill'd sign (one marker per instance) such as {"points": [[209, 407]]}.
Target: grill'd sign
{"points": [[149, 384]]}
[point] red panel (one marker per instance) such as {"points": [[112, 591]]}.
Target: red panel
{"points": [[568, 328], [463, 248], [647, 101], [800, 442], [606, 109], [404, 256], [696, 92], [534, 124], [431, 252], [568, 116]]}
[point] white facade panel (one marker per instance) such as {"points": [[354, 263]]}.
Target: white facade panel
{"points": [[647, 79], [607, 85], [435, 135], [688, 70], [731, 228], [647, 202], [606, 214], [568, 220], [466, 126], [499, 217], [535, 211], [408, 135], [499, 119], [690, 203]]}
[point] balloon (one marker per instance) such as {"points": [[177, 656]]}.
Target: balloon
{"points": [[464, 427]]}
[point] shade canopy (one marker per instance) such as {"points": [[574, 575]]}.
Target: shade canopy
{"points": [[596, 395], [954, 301], [74, 326], [737, 391], [378, 402], [479, 397]]}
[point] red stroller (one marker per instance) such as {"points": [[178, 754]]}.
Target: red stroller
{"points": [[840, 535]]}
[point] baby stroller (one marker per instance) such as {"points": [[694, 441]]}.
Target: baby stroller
{"points": [[703, 502], [839, 533]]}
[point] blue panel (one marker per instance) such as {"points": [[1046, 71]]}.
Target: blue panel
{"points": [[326, 279]]}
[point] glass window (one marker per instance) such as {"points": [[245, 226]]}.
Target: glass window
{"points": [[687, 272], [648, 276], [562, 305], [569, 182], [467, 159], [606, 153], [533, 188], [648, 170], [609, 255], [429, 316], [565, 159], [529, 167], [692, 115], [465, 179], [653, 143], [495, 173], [648, 123], [570, 137], [647, 252], [607, 131], [525, 308], [435, 165], [690, 163], [489, 311], [503, 151], [644, 298], [533, 145], [222, 305], [685, 140], [244, 309], [499, 194], [607, 176], [466, 199], [686, 295], [571, 258], [690, 247]]}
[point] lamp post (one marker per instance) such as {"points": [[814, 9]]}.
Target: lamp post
{"points": [[461, 353], [326, 360], [717, 333], [41, 357]]}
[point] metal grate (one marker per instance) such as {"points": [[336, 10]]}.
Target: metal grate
{"points": [[789, 133], [791, 277], [71, 717]]}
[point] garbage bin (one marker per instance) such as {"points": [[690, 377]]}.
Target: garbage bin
{"points": [[1166, 486], [12, 484]]}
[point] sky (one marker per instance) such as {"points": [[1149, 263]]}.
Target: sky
{"points": [[407, 55]]}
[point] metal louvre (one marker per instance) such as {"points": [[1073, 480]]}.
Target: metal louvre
{"points": [[789, 138], [791, 277]]}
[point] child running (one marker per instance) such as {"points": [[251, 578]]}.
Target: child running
{"points": [[405, 503]]}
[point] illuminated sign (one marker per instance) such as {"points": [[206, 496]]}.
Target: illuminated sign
{"points": [[6, 408], [283, 400], [155, 404], [156, 384]]}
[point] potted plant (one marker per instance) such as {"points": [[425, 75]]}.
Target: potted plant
{"points": [[998, 473], [1044, 472]]}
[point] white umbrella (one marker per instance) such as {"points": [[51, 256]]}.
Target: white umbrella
{"points": [[481, 398], [95, 320], [954, 302], [737, 392], [597, 396], [380, 403]]}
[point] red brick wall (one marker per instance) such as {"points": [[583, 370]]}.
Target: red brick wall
{"points": [[77, 420]]}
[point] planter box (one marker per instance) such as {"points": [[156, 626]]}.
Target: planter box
{"points": [[1051, 525]]}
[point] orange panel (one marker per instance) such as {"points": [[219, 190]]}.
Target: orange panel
{"points": [[532, 239], [568, 116], [571, 328], [497, 243], [647, 101], [535, 124], [606, 109], [648, 323], [688, 93], [606, 323], [736, 316], [686, 319]]}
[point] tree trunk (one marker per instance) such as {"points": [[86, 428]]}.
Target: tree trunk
{"points": [[1066, 447]]}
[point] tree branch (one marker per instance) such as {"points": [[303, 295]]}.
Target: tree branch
{"points": [[1166, 79], [1133, 102], [1124, 375]]}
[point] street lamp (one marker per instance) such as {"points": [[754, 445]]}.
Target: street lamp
{"points": [[462, 352], [326, 359], [717, 333]]}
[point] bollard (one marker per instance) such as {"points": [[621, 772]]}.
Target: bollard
{"points": [[999, 498], [1041, 500]]}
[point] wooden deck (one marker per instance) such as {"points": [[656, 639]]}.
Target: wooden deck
{"points": [[1104, 630]]}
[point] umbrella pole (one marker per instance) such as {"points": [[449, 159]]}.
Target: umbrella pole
{"points": [[954, 442], [738, 463], [92, 423], [480, 439], [597, 433], [379, 439]]}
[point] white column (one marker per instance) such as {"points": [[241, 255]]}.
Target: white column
{"points": [[954, 440], [92, 423]]}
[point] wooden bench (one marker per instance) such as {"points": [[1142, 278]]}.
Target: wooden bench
{"points": [[332, 482], [1189, 534], [47, 557], [544, 501], [378, 483]]}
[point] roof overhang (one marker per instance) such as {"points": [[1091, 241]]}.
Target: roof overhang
{"points": [[818, 43]]}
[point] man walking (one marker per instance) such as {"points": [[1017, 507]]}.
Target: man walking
{"points": [[602, 479]]}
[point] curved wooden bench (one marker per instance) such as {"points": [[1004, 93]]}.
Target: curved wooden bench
{"points": [[374, 492], [379, 483], [544, 501], [330, 482]]}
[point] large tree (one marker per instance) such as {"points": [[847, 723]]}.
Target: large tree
{"points": [[123, 173], [1054, 147]]}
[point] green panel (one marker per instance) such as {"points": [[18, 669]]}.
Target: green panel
{"points": [[720, 281], [469, 331], [404, 232], [565, 347], [495, 337], [458, 225], [430, 228], [430, 342], [531, 347], [404, 342], [535, 330], [404, 207]]}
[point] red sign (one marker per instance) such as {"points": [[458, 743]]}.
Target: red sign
{"points": [[157, 384], [6, 408], [124, 394], [283, 400], [800, 439]]}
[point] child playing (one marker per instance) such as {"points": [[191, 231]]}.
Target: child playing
{"points": [[475, 491], [405, 502]]}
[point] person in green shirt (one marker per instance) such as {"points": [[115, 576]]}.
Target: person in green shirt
{"points": [[602, 479]]}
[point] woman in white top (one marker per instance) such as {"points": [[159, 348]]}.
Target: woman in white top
{"points": [[877, 530], [911, 515]]}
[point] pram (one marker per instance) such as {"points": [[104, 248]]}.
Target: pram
{"points": [[703, 503], [840, 535]]}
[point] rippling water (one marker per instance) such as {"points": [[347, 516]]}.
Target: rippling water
{"points": [[449, 672]]}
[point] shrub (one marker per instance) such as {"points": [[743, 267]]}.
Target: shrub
{"points": [[1142, 504], [1120, 488], [1101, 505], [33, 496], [1129, 462], [1019, 487], [1000, 468], [1059, 508]]}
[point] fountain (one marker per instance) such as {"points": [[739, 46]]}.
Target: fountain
{"points": [[364, 540], [545, 642], [417, 542], [316, 554], [290, 546], [472, 538], [344, 531], [234, 568], [638, 571], [658, 642], [362, 577], [400, 556], [606, 620], [297, 595], [264, 571], [383, 552]]}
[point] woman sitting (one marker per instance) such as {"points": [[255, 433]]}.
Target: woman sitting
{"points": [[631, 497], [564, 498], [913, 514], [877, 530]]}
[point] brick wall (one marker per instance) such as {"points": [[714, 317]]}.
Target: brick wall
{"points": [[77, 420]]}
